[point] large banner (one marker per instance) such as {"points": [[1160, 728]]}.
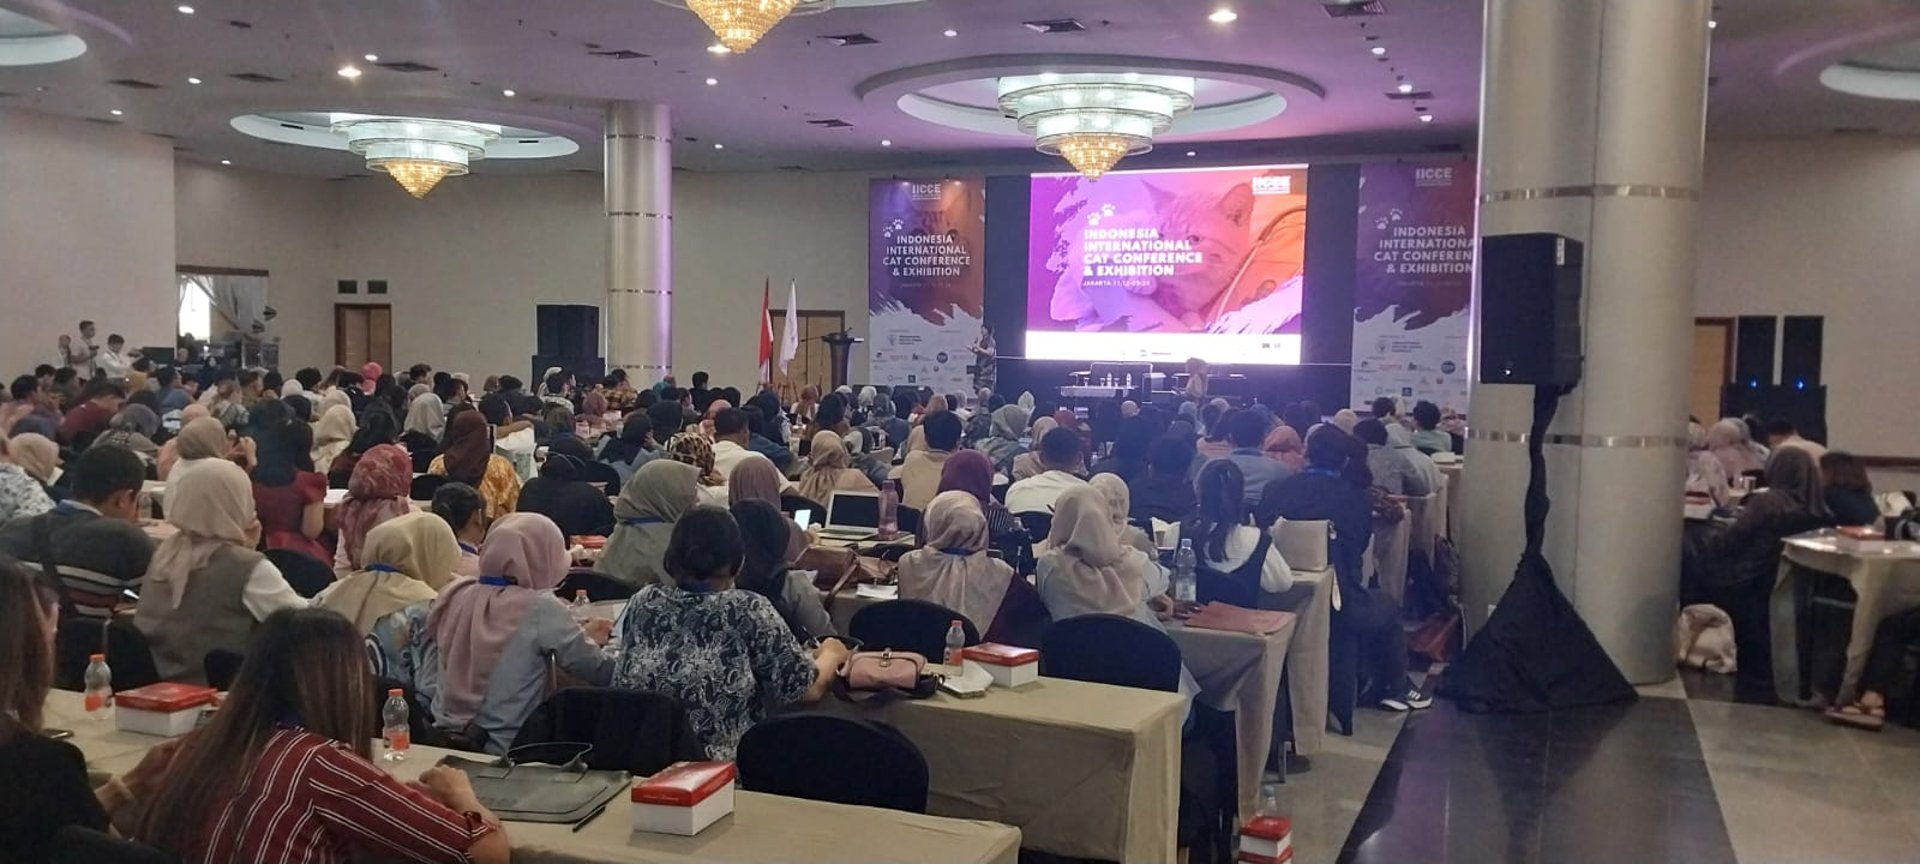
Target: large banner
{"points": [[1167, 265], [1414, 283], [926, 242]]}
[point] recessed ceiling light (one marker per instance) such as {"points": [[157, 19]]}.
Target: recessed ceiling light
{"points": [[1405, 88], [1426, 118], [1378, 50], [718, 146], [116, 112], [1223, 16], [1711, 23], [950, 33], [371, 58], [1192, 153], [184, 9], [226, 161], [349, 72], [711, 82], [507, 93], [886, 142], [191, 80], [717, 48]]}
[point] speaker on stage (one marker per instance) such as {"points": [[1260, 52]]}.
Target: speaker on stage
{"points": [[1530, 309]]}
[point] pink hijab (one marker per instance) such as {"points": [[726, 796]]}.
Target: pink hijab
{"points": [[370, 377], [376, 492], [713, 410], [1283, 445], [525, 557]]}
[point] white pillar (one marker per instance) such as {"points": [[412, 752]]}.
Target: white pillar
{"points": [[639, 183], [1592, 119]]}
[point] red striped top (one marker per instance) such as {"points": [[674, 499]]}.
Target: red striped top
{"points": [[312, 801]]}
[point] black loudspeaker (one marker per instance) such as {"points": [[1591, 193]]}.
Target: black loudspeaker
{"points": [[567, 330], [1753, 350], [1800, 350], [1805, 406], [1530, 309]]}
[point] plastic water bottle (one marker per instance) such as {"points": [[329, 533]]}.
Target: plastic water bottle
{"points": [[393, 726], [1185, 588], [889, 510], [580, 606], [1268, 803], [956, 643], [1129, 380], [99, 687]]}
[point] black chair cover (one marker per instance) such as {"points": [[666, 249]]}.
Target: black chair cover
{"points": [[599, 587], [630, 731], [306, 574], [908, 625], [837, 759], [128, 653]]}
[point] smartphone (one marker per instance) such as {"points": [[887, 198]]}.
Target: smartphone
{"points": [[803, 518]]}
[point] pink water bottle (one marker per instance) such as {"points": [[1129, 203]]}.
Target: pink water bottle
{"points": [[889, 510]]}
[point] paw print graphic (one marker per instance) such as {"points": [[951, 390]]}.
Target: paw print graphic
{"points": [[896, 225], [1106, 211], [1392, 216]]}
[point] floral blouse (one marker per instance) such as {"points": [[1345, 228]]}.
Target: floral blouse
{"points": [[725, 655], [21, 495]]}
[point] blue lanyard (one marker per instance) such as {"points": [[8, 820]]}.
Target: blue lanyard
{"points": [[382, 568], [1324, 472], [496, 581], [469, 549], [956, 550], [643, 520]]}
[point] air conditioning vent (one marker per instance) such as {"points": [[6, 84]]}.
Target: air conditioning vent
{"points": [[406, 66], [134, 84], [1404, 97], [622, 54], [1055, 25], [849, 39], [1353, 8], [255, 78], [238, 24], [831, 123], [793, 168]]}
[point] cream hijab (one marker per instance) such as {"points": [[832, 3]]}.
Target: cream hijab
{"points": [[212, 506], [1119, 501], [954, 569], [656, 497], [409, 559], [1086, 553]]}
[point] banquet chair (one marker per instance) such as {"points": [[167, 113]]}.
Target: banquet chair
{"points": [[604, 475], [419, 717], [126, 648], [840, 760], [221, 666], [791, 504], [1038, 524], [909, 625], [307, 575], [425, 485], [1121, 652], [630, 730], [75, 844], [907, 519], [599, 586], [422, 448]]}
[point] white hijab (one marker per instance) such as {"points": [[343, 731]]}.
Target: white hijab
{"points": [[953, 569]]}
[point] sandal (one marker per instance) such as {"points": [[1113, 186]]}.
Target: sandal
{"points": [[1862, 714]]}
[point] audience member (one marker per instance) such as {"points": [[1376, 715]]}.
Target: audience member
{"points": [[31, 396], [408, 561], [659, 494], [92, 539], [919, 473], [767, 535], [633, 447], [953, 568], [23, 491], [1781, 433], [757, 480], [1002, 442], [1246, 431], [1392, 469], [1705, 474], [1400, 439], [1283, 444], [1133, 436], [1427, 437], [725, 654], [99, 401], [206, 587], [462, 508], [1849, 494], [469, 458], [1165, 493], [376, 493], [132, 429], [829, 470], [1730, 443], [290, 497], [1119, 501], [730, 436], [1223, 542], [378, 426], [1060, 455], [693, 449], [970, 472], [775, 452], [1027, 464]]}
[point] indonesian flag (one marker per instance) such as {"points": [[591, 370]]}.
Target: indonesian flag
{"points": [[766, 333], [790, 340]]}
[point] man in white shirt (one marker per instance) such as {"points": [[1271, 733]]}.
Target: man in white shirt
{"points": [[116, 362], [1059, 454], [1782, 433], [730, 438], [78, 351]]}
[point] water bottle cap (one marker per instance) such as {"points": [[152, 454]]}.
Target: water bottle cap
{"points": [[396, 692], [1186, 543], [96, 658], [956, 622]]}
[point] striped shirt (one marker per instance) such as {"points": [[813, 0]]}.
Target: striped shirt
{"points": [[97, 558], [309, 800]]}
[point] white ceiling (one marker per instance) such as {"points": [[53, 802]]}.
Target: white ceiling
{"points": [[1767, 56]]}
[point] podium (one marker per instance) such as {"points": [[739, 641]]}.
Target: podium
{"points": [[840, 343]]}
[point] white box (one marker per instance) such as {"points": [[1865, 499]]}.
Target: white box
{"points": [[1010, 676], [684, 821], [168, 724]]}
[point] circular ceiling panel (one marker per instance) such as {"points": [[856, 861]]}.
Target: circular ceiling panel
{"points": [[28, 42]]}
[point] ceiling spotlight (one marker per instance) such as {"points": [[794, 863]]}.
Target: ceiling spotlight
{"points": [[1223, 15], [1379, 50], [226, 161], [1711, 23], [349, 72], [950, 33], [713, 82], [886, 142], [507, 93], [116, 112], [1426, 118], [184, 9], [1192, 153], [718, 146], [717, 48], [372, 58], [1405, 88], [191, 80]]}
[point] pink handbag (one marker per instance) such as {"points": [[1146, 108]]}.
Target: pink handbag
{"points": [[883, 670]]}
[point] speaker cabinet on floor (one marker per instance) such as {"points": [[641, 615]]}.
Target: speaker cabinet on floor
{"points": [[567, 330], [1530, 309]]}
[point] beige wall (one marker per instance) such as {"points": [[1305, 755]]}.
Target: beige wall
{"points": [[1826, 228], [86, 231]]}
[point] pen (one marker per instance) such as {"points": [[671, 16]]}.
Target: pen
{"points": [[589, 817]]}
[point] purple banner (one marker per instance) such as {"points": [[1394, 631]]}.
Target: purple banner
{"points": [[925, 285], [1413, 284]]}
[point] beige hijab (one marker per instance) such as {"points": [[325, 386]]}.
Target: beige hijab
{"points": [[1028, 464], [408, 560], [829, 468], [954, 569], [36, 454], [1087, 554], [656, 497], [1119, 501], [212, 506]]}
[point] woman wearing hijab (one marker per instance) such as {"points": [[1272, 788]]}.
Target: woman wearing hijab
{"points": [[829, 470], [409, 559], [1344, 420], [370, 378], [290, 497], [1028, 464], [133, 429], [170, 451], [658, 495], [969, 471], [469, 458], [1119, 501], [563, 494], [23, 493], [758, 480], [809, 401], [1285, 446], [713, 410], [495, 634], [200, 441], [378, 426], [332, 435], [1002, 444], [1705, 474], [696, 449], [206, 587], [376, 493], [766, 534], [426, 417], [1729, 442], [954, 570]]}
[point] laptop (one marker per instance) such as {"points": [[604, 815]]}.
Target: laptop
{"points": [[852, 516]]}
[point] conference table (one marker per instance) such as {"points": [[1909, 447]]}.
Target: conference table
{"points": [[1885, 577], [763, 828]]}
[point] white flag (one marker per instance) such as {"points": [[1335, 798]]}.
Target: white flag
{"points": [[790, 340]]}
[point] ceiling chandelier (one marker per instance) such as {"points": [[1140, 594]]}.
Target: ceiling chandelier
{"points": [[416, 152], [741, 23], [1095, 119]]}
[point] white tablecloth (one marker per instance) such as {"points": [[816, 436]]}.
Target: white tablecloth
{"points": [[1886, 577]]}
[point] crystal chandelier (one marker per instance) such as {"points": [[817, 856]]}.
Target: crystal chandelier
{"points": [[416, 152], [741, 23], [1095, 119]]}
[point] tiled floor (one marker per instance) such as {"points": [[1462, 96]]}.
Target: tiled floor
{"points": [[1668, 778]]}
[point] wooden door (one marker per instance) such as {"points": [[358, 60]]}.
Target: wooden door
{"points": [[813, 366], [1712, 366], [362, 332]]}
